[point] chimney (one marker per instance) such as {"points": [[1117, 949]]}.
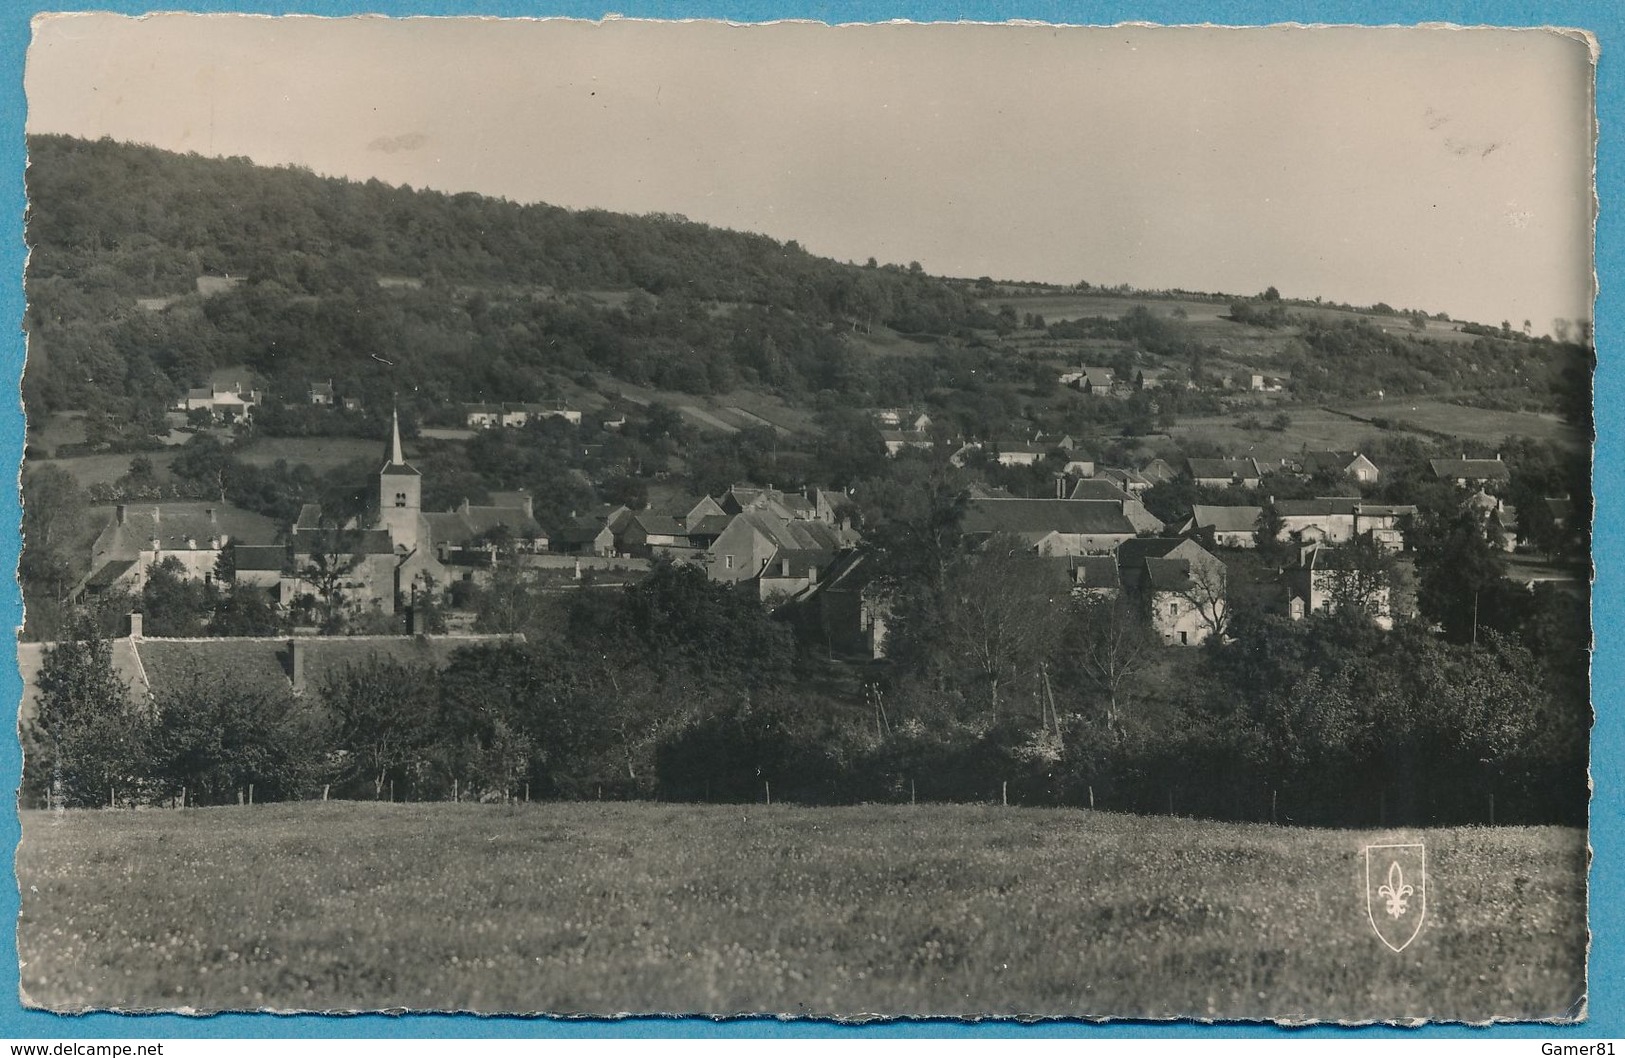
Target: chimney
{"points": [[119, 512], [420, 622], [135, 624], [213, 518], [296, 652], [784, 567]]}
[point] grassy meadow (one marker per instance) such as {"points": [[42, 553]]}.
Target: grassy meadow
{"points": [[612, 908]]}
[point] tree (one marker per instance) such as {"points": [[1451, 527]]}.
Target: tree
{"points": [[216, 736], [87, 739], [334, 555], [383, 716], [244, 610], [1206, 590], [1001, 611], [1111, 646], [1456, 565]]}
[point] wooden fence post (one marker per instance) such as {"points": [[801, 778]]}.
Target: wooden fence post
{"points": [[1004, 793], [767, 788], [325, 787], [250, 793], [1091, 797]]}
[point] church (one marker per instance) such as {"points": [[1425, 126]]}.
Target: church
{"points": [[398, 551]]}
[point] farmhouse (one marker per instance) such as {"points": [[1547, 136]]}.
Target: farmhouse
{"points": [[1327, 519], [851, 610], [1326, 579], [756, 537], [1098, 381], [1384, 523], [225, 402], [1339, 464], [1224, 473], [1051, 527], [1471, 473], [1134, 510], [897, 440], [140, 536], [321, 393], [1181, 585], [517, 416], [1218, 526]]}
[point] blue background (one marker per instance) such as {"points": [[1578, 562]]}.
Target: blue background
{"points": [[1607, 967]]}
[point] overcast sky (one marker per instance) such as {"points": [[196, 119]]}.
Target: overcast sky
{"points": [[1430, 168]]}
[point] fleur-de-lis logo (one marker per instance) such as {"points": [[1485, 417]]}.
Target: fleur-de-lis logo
{"points": [[1396, 899], [1396, 892]]}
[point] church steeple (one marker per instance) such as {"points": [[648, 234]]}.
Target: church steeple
{"points": [[400, 494], [395, 456], [393, 459]]}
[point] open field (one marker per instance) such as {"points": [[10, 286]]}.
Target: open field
{"points": [[107, 467], [1312, 427], [608, 908], [318, 453], [1475, 424]]}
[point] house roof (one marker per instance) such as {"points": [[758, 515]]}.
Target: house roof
{"points": [[794, 534], [852, 570], [482, 409], [1090, 571], [1098, 489], [1470, 469], [582, 531], [1076, 517], [310, 517], [1384, 510], [321, 389], [654, 523], [1316, 462], [1226, 519], [1135, 552], [268, 662], [1561, 508], [108, 573], [710, 525], [31, 661], [1223, 468], [802, 564], [1168, 574], [182, 526], [265, 557], [1320, 507]]}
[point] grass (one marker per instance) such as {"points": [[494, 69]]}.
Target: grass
{"points": [[1474, 424], [318, 453], [947, 910]]}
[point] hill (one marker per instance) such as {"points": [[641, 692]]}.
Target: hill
{"points": [[149, 270]]}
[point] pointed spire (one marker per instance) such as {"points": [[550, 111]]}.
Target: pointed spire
{"points": [[395, 458]]}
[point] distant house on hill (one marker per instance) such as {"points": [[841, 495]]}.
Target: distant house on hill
{"points": [[1099, 382], [321, 393], [1471, 473], [1050, 527], [516, 416], [898, 440], [1224, 473], [226, 402]]}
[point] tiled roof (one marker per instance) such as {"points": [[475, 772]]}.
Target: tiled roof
{"points": [[1168, 574], [31, 661], [1225, 519], [1098, 489], [1327, 462], [1320, 507], [1223, 468], [181, 526], [108, 573], [1135, 552], [270, 557], [1078, 517], [1471, 469]]}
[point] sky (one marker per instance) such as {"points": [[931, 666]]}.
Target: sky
{"points": [[1433, 168]]}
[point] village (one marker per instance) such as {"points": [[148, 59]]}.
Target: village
{"points": [[802, 550]]}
